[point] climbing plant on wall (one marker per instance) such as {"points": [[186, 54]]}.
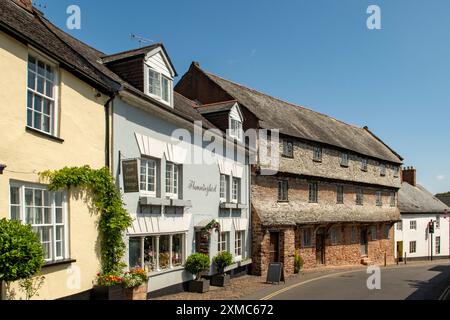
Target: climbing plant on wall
{"points": [[106, 201]]}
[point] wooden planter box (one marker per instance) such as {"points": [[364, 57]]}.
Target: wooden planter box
{"points": [[108, 293], [220, 280], [138, 293], [199, 286]]}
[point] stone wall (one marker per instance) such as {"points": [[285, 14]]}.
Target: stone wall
{"points": [[330, 166]]}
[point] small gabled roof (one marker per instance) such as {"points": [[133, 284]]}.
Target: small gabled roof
{"points": [[304, 123], [417, 199], [217, 107], [139, 52]]}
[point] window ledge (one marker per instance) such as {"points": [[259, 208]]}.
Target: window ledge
{"points": [[43, 134], [58, 263], [287, 157], [161, 272], [283, 201]]}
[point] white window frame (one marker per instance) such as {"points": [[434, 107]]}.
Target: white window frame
{"points": [[235, 190], [147, 162], [222, 242], [160, 78], [239, 244], [156, 244], [54, 113], [173, 182], [412, 247], [53, 225], [224, 187], [236, 129]]}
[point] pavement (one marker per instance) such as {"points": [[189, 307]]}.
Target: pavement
{"points": [[418, 281]]}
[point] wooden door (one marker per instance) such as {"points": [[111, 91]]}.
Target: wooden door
{"points": [[274, 249], [320, 248]]}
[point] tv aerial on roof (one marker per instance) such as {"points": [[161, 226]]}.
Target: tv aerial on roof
{"points": [[141, 40]]}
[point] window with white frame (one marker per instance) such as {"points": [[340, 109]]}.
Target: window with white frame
{"points": [[148, 175], [412, 247], [239, 243], [413, 225], [236, 129], [159, 86], [172, 179], [46, 212], [224, 187], [156, 253], [222, 242], [41, 97], [400, 226], [235, 189]]}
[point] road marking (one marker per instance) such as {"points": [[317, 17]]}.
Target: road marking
{"points": [[270, 296], [276, 293], [445, 294]]}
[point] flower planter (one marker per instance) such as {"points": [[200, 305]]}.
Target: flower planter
{"points": [[220, 280], [137, 293], [115, 292], [199, 286]]}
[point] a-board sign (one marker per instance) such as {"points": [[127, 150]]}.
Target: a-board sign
{"points": [[275, 274], [130, 176]]}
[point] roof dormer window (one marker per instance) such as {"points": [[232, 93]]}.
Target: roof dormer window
{"points": [[159, 86], [236, 129]]}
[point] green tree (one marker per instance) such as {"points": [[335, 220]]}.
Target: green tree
{"points": [[21, 253]]}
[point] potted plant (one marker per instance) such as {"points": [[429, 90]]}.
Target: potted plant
{"points": [[222, 260], [108, 287], [195, 264], [298, 263], [135, 283]]}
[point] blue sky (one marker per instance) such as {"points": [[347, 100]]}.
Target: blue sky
{"points": [[316, 53]]}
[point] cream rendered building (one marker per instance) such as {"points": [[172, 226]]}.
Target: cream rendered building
{"points": [[53, 106]]}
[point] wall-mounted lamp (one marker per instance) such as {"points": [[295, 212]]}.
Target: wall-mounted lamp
{"points": [[2, 167]]}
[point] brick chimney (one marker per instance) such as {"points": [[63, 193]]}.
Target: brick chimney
{"points": [[26, 4], [409, 175]]}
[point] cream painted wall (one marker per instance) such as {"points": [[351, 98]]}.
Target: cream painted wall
{"points": [[82, 126]]}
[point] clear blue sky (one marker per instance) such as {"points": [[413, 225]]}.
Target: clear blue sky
{"points": [[316, 53]]}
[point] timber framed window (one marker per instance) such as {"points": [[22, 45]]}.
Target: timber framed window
{"points": [[306, 238], [288, 148], [335, 234], [379, 197], [313, 192], [46, 212], [283, 191], [340, 194], [382, 170], [344, 159], [41, 95], [317, 154], [359, 196], [364, 164], [393, 199]]}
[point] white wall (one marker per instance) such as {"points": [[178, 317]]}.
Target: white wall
{"points": [[421, 235]]}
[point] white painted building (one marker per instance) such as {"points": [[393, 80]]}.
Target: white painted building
{"points": [[418, 209]]}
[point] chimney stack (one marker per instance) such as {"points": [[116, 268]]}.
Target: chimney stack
{"points": [[409, 175], [26, 4]]}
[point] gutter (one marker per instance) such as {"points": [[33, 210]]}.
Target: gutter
{"points": [[109, 107]]}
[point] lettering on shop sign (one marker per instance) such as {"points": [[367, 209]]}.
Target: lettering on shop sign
{"points": [[130, 176], [202, 188]]}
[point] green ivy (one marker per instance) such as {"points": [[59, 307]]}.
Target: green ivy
{"points": [[106, 201]]}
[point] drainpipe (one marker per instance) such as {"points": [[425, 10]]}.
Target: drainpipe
{"points": [[108, 139]]}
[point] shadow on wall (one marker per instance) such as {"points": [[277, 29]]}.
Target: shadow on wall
{"points": [[433, 288]]}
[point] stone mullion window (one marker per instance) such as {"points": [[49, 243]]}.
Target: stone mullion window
{"points": [[313, 192]]}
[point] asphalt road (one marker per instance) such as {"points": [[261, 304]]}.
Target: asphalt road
{"points": [[419, 282]]}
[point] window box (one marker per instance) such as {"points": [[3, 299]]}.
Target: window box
{"points": [[115, 293], [231, 267], [245, 262], [228, 205]]}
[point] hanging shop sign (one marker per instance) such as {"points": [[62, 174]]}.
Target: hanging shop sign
{"points": [[130, 176]]}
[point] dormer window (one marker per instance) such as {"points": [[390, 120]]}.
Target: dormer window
{"points": [[159, 86]]}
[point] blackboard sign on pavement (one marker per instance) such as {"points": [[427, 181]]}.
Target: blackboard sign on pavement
{"points": [[275, 274]]}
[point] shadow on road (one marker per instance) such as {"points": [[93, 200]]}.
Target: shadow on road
{"points": [[433, 288]]}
